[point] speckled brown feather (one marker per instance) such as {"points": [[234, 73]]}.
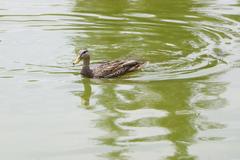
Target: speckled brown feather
{"points": [[116, 68]]}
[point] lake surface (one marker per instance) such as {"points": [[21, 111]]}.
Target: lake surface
{"points": [[183, 105]]}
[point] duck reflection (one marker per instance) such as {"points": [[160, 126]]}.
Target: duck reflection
{"points": [[87, 91]]}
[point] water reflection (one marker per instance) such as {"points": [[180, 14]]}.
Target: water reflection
{"points": [[87, 91], [157, 115], [134, 115]]}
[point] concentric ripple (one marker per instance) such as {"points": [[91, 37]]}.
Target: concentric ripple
{"points": [[208, 44]]}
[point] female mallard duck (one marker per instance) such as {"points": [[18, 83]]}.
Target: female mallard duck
{"points": [[106, 69]]}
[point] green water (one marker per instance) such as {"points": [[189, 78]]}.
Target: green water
{"points": [[182, 105]]}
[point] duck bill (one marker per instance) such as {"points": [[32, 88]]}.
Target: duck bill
{"points": [[77, 60]]}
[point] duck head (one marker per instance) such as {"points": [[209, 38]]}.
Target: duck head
{"points": [[82, 55]]}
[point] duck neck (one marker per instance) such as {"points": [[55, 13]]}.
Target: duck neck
{"points": [[86, 71], [86, 62]]}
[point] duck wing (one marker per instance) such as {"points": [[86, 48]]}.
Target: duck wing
{"points": [[116, 68]]}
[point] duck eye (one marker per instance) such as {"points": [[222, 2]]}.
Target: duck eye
{"points": [[83, 53]]}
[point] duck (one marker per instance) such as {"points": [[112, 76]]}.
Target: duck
{"points": [[109, 69]]}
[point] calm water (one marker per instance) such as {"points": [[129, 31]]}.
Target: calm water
{"points": [[183, 105]]}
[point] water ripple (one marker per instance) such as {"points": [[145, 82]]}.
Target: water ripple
{"points": [[209, 44]]}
